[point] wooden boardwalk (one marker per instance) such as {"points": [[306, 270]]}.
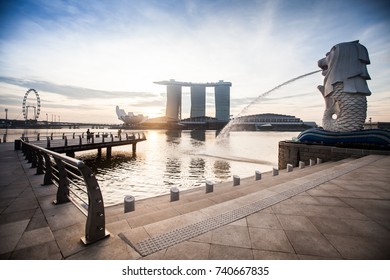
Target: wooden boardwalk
{"points": [[70, 145]]}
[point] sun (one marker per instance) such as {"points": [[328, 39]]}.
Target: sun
{"points": [[153, 112]]}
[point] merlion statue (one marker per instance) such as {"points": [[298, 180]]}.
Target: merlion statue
{"points": [[345, 87]]}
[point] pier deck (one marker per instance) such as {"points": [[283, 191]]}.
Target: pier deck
{"points": [[77, 144], [335, 210]]}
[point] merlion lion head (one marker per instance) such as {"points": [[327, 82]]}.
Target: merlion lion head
{"points": [[346, 63]]}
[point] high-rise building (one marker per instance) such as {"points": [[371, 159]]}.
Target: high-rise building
{"points": [[198, 99]]}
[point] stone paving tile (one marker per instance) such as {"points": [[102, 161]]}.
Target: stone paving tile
{"points": [[330, 201], [10, 234], [305, 199], [35, 237], [117, 227], [332, 212], [20, 204], [17, 227], [311, 243], [64, 216], [358, 248], [41, 191], [383, 194], [270, 240], [37, 221], [264, 220], [362, 203], [111, 248], [229, 235], [134, 236], [205, 238], [367, 229], [155, 256], [369, 195], [188, 250], [287, 207], [318, 192], [221, 252], [68, 239], [329, 186], [358, 186], [45, 251], [296, 223], [309, 257], [330, 225], [269, 255], [242, 222]]}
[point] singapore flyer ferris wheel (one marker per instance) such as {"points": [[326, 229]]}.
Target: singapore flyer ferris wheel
{"points": [[35, 105]]}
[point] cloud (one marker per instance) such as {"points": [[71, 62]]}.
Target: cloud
{"points": [[95, 51], [73, 92]]}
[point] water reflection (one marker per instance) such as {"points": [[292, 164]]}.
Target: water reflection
{"points": [[172, 171], [185, 159], [197, 167], [199, 135], [221, 169]]}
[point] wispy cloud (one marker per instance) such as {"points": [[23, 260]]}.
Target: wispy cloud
{"points": [[73, 92], [111, 52]]}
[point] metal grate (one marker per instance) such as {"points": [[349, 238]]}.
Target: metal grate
{"points": [[179, 235]]}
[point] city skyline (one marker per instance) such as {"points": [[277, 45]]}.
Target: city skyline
{"points": [[84, 58]]}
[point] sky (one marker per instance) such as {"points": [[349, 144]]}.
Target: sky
{"points": [[86, 57]]}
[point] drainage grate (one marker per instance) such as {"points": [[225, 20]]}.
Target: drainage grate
{"points": [[179, 235]]}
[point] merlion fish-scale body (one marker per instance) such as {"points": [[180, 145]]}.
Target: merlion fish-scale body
{"points": [[345, 87]]}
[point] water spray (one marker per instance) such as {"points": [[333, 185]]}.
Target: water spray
{"points": [[225, 131]]}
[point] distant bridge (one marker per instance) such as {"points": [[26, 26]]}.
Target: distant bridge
{"points": [[45, 124]]}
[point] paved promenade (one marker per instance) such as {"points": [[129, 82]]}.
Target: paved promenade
{"points": [[335, 210]]}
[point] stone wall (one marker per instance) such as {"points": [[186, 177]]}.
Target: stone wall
{"points": [[293, 152]]}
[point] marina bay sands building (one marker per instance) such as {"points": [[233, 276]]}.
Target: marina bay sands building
{"points": [[198, 99]]}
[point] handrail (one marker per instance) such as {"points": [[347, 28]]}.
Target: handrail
{"points": [[42, 159]]}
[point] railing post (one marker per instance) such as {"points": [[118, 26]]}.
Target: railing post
{"points": [[47, 179], [38, 136], [63, 135], [95, 228], [29, 154], [80, 140], [127, 136], [63, 189], [33, 158], [48, 142], [66, 140], [40, 163], [74, 133], [51, 136]]}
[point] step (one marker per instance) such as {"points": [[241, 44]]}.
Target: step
{"points": [[159, 208], [165, 233]]}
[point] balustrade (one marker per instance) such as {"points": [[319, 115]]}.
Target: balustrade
{"points": [[64, 171]]}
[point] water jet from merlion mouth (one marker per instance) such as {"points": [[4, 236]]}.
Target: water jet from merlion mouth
{"points": [[225, 131]]}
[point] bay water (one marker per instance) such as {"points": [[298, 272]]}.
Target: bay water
{"points": [[168, 158]]}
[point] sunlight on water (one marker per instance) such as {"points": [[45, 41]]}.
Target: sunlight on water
{"points": [[184, 159]]}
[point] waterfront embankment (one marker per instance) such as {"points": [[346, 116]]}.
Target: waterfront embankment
{"points": [[334, 210]]}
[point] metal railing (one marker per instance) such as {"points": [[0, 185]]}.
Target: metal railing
{"points": [[64, 171]]}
